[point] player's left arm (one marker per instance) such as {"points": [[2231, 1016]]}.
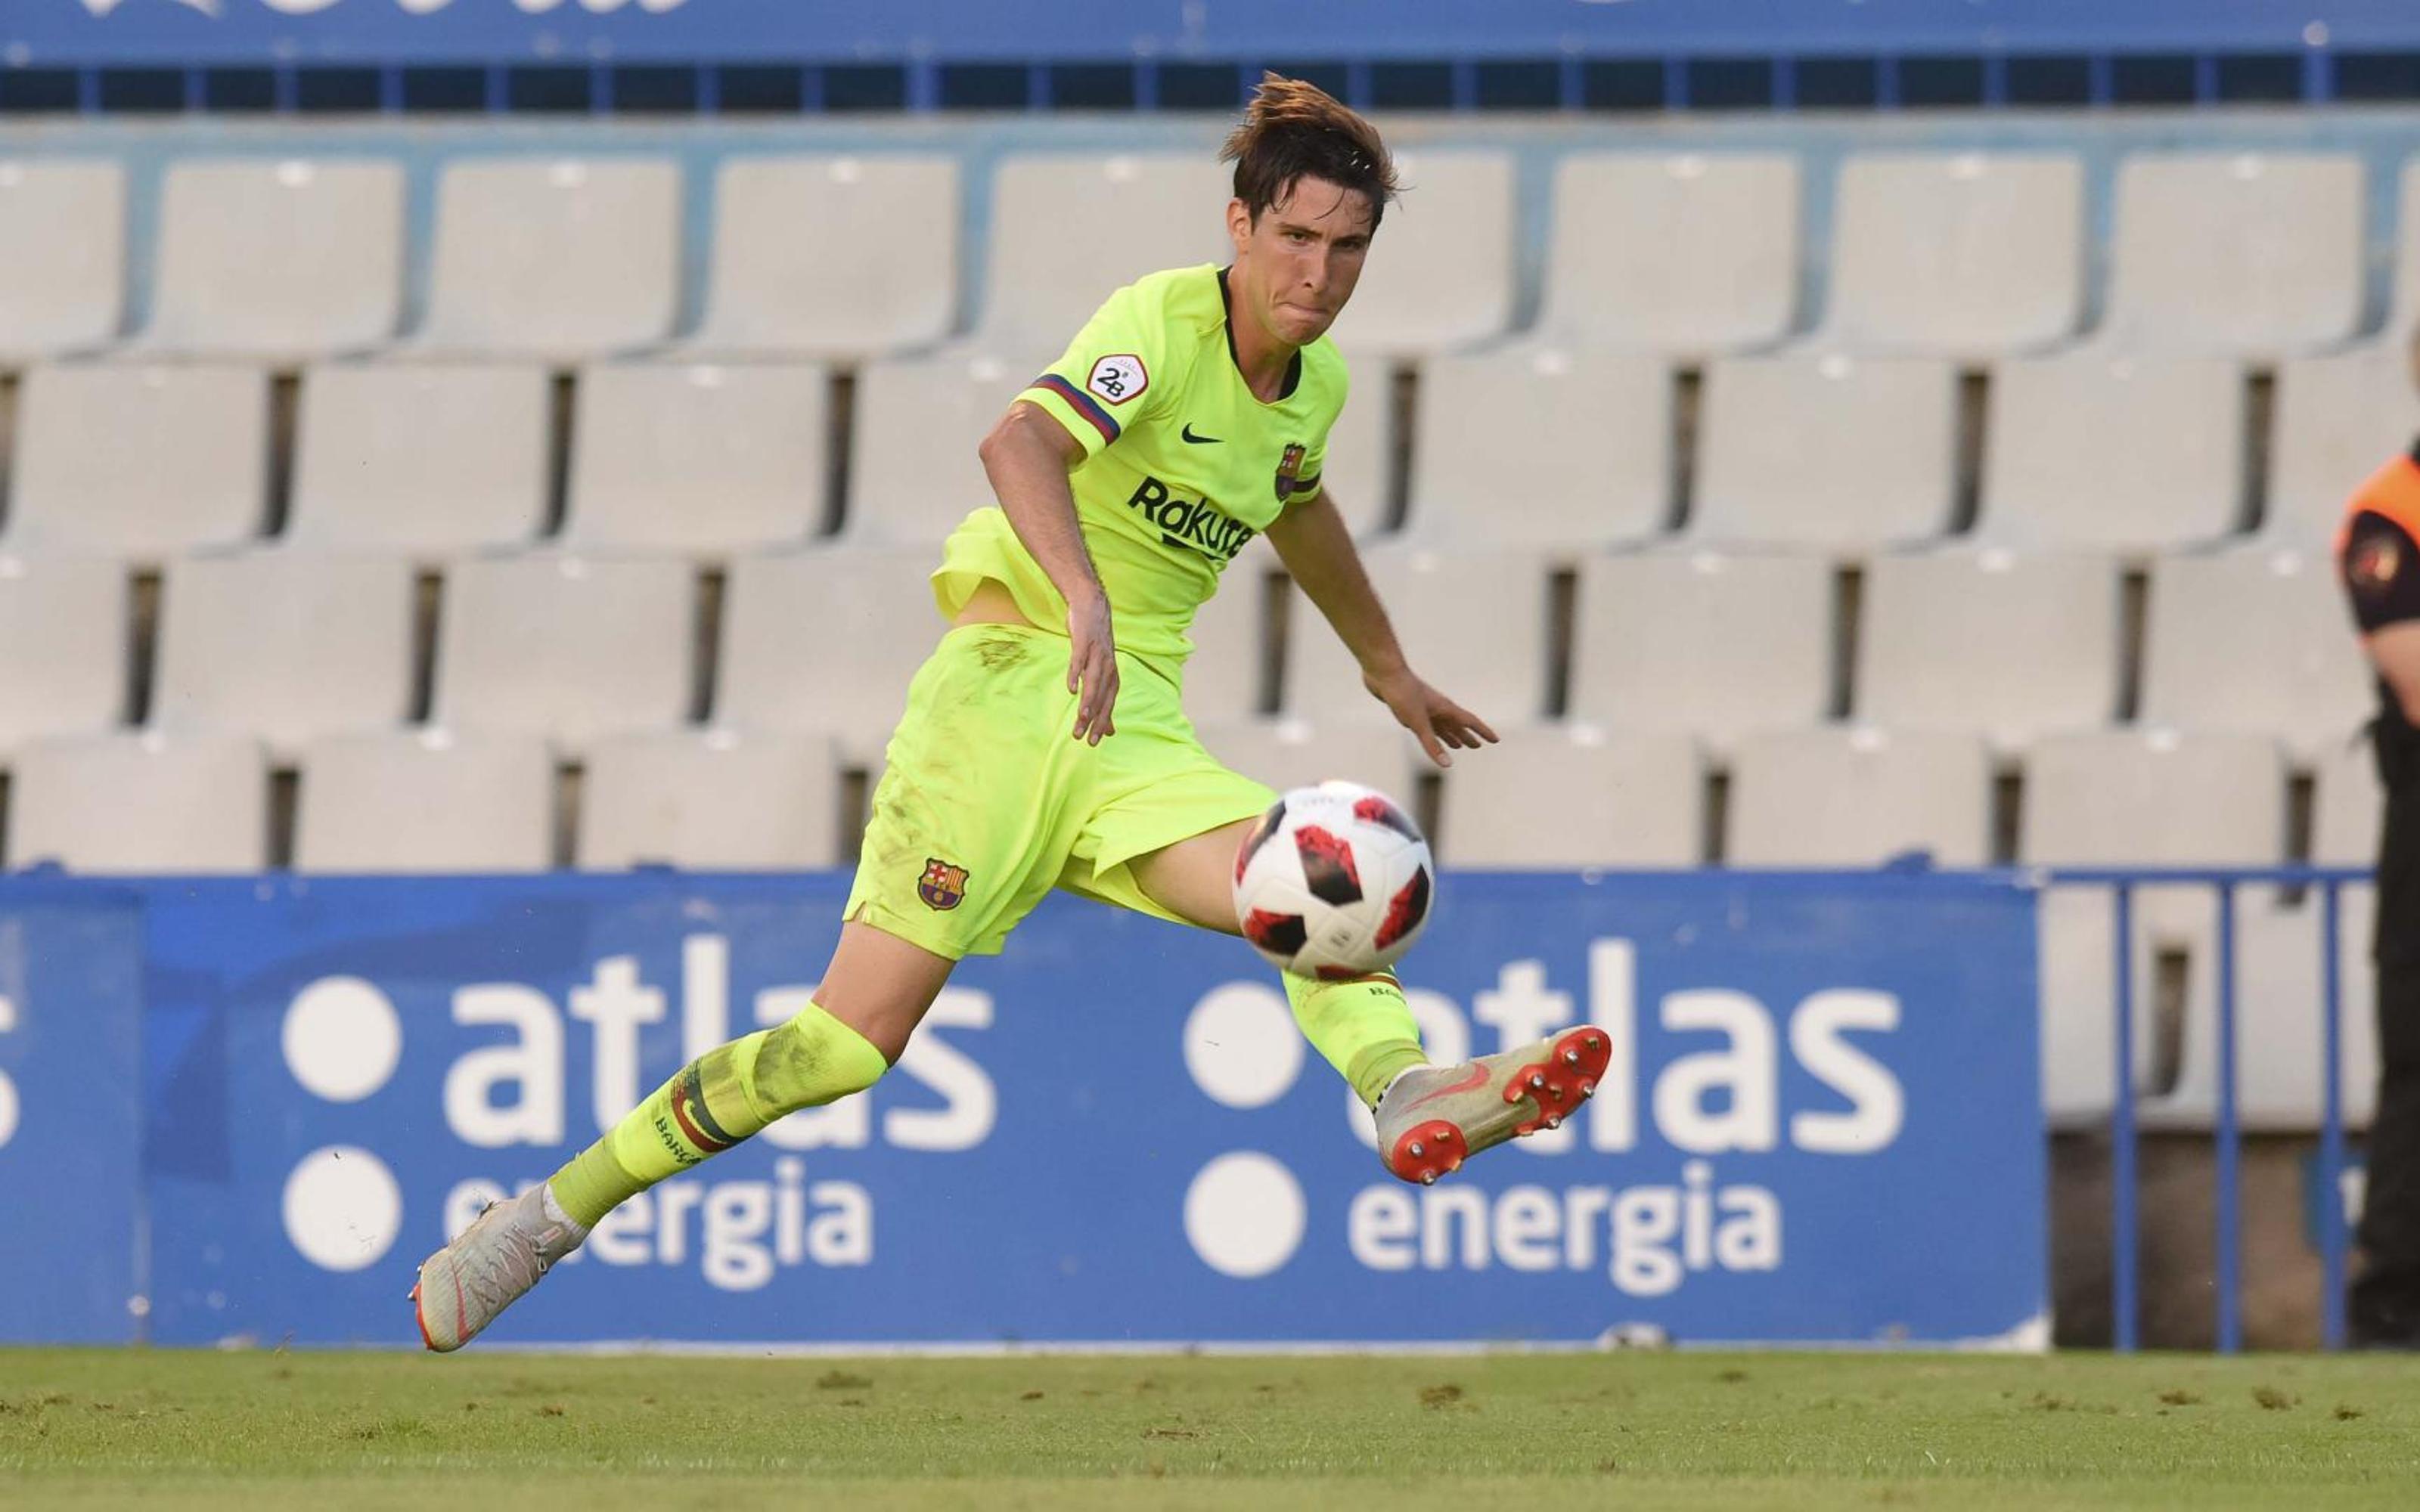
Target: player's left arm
{"points": [[1311, 541]]}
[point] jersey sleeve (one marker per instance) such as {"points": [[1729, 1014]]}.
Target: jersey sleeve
{"points": [[1113, 374], [2380, 568], [1313, 472]]}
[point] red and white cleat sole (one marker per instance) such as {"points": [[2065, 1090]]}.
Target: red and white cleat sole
{"points": [[1433, 1119]]}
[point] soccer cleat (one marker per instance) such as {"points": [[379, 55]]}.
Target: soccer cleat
{"points": [[464, 1286], [1434, 1118]]}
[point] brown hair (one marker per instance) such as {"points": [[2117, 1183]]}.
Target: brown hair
{"points": [[1292, 131]]}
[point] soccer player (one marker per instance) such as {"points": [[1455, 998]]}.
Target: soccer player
{"points": [[1043, 745]]}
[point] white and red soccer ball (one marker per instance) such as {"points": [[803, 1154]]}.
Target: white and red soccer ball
{"points": [[1334, 882]]}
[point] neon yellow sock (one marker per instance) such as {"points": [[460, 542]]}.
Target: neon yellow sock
{"points": [[1363, 1026], [718, 1099]]}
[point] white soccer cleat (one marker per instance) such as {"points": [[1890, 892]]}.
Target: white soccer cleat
{"points": [[1434, 1118], [464, 1286]]}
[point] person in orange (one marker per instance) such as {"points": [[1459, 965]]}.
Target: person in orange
{"points": [[2378, 558]]}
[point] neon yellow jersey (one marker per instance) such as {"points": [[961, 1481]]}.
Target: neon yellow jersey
{"points": [[1182, 466]]}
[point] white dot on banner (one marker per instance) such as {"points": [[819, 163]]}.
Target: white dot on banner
{"points": [[1244, 1215], [342, 1208], [8, 1110], [341, 1038], [1241, 1046]]}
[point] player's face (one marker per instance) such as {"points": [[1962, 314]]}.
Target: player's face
{"points": [[1297, 265]]}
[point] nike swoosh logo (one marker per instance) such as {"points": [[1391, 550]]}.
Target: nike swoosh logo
{"points": [[1472, 1083], [1199, 440]]}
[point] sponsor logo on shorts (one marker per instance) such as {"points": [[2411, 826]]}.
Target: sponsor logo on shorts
{"points": [[1196, 524], [942, 886]]}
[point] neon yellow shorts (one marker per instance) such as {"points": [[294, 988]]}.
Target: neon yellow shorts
{"points": [[986, 801]]}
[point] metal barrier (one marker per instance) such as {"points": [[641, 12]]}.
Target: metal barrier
{"points": [[2226, 883]]}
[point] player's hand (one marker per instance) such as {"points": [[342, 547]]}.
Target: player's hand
{"points": [[1092, 667], [1436, 720]]}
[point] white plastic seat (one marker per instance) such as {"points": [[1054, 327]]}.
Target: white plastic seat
{"points": [[700, 458], [2009, 644], [285, 646], [62, 256], [278, 257], [1472, 622], [2237, 253], [2122, 454], [2339, 417], [1297, 754], [1707, 644], [1441, 275], [1231, 644], [565, 647], [913, 470], [831, 256], [147, 460], [63, 634], [710, 800], [1964, 255], [827, 640], [1858, 796], [1068, 229], [2255, 640], [556, 258], [1522, 486], [2138, 798], [1684, 253], [1826, 451], [425, 459], [424, 801], [1573, 795], [140, 804]]}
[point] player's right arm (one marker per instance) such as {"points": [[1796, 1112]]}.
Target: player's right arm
{"points": [[1028, 455]]}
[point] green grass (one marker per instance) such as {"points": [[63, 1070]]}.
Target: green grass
{"points": [[92, 1429]]}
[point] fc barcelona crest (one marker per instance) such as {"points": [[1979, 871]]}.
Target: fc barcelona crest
{"points": [[1289, 468], [942, 886]]}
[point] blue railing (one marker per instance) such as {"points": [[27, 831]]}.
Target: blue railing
{"points": [[2227, 1134]]}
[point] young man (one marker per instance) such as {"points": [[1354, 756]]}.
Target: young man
{"points": [[1191, 414]]}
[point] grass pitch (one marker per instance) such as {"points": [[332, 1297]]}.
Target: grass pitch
{"points": [[94, 1429]]}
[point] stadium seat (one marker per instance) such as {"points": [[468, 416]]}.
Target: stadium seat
{"points": [[1295, 753], [424, 458], [2258, 639], [280, 258], [913, 469], [285, 646], [1440, 274], [1826, 451], [710, 800], [62, 256], [2136, 798], [2339, 417], [1857, 796], [565, 647], [2010, 645], [1472, 622], [1703, 643], [1522, 486], [425, 800], [810, 258], [2121, 454], [1068, 229], [1231, 644], [556, 259], [697, 458], [1964, 255], [1567, 795], [63, 633], [1718, 272], [826, 641], [140, 804], [147, 460], [2246, 253]]}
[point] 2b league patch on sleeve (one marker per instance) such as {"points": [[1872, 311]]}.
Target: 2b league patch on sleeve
{"points": [[1119, 378]]}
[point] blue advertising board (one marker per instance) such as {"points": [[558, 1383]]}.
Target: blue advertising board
{"points": [[1822, 1123], [47, 32]]}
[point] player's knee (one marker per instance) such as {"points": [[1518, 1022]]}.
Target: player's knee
{"points": [[812, 1059]]}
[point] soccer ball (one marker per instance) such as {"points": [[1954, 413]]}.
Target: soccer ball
{"points": [[1334, 882]]}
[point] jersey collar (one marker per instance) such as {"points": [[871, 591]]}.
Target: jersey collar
{"points": [[1227, 310]]}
